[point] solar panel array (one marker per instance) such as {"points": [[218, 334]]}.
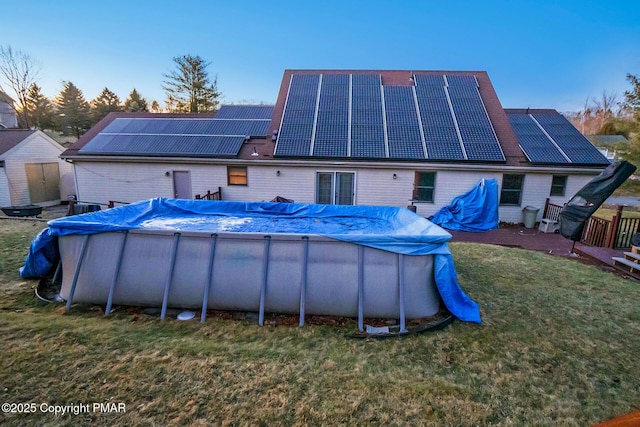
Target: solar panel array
{"points": [[189, 136], [355, 115], [548, 137]]}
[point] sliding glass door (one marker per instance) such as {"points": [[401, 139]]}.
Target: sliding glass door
{"points": [[337, 188]]}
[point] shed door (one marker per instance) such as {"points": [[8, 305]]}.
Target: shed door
{"points": [[43, 181], [182, 184]]}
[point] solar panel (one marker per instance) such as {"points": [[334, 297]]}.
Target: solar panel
{"points": [[403, 129], [477, 133], [331, 137], [175, 145], [367, 122], [534, 142], [296, 131], [262, 112], [157, 126], [577, 147], [440, 135]]}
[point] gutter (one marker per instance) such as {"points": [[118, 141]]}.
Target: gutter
{"points": [[470, 167]]}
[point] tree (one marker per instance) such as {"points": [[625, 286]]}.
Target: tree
{"points": [[41, 111], [597, 114], [631, 151], [20, 71], [632, 97], [189, 88], [155, 107], [135, 102], [74, 112], [105, 103]]}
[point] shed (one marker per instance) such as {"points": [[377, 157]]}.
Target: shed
{"points": [[31, 170]]}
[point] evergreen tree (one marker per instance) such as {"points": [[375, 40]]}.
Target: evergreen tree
{"points": [[104, 104], [74, 112], [189, 88], [135, 102], [41, 110], [631, 151]]}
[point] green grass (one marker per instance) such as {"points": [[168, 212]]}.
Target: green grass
{"points": [[558, 346]]}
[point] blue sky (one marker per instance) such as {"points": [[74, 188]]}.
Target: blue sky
{"points": [[539, 54]]}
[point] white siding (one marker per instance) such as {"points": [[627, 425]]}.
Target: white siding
{"points": [[5, 200], [37, 148], [100, 182]]}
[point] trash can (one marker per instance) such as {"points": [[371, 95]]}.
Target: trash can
{"points": [[529, 216]]}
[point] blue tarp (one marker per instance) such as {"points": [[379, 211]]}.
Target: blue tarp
{"points": [[391, 229], [476, 210]]}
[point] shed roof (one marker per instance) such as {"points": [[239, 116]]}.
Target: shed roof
{"points": [[9, 138]]}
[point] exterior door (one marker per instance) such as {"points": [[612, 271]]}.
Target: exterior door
{"points": [[336, 188], [43, 180], [182, 185]]}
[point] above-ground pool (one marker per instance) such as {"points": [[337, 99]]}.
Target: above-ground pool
{"points": [[354, 261]]}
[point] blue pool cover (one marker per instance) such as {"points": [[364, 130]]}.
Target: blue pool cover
{"points": [[390, 229]]}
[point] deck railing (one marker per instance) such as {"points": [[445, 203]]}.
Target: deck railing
{"points": [[615, 233], [211, 196]]}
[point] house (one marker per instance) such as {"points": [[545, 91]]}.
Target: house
{"points": [[31, 171], [345, 137], [608, 144], [8, 116]]}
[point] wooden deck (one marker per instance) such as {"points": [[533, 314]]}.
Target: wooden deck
{"points": [[554, 244]]}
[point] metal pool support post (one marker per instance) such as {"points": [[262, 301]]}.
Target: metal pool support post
{"points": [[401, 290], [83, 251], [361, 288], [55, 275], [265, 273], [165, 298], [112, 288], [303, 282], [207, 286]]}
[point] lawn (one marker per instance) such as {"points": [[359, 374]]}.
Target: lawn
{"points": [[558, 346]]}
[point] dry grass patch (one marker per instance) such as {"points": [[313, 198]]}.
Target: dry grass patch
{"points": [[558, 346]]}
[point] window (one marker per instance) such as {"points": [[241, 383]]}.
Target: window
{"points": [[335, 188], [423, 186], [236, 175], [558, 185], [511, 193]]}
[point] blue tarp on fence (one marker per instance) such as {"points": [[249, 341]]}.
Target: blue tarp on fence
{"points": [[476, 210], [391, 229]]}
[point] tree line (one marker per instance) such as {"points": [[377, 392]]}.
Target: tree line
{"points": [[611, 115], [188, 89]]}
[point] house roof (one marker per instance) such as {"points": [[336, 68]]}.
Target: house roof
{"points": [[9, 138], [424, 137], [547, 137], [357, 115], [175, 135]]}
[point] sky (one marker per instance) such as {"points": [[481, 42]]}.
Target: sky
{"points": [[538, 54]]}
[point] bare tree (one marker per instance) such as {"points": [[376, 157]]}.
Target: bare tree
{"points": [[19, 71], [596, 113]]}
